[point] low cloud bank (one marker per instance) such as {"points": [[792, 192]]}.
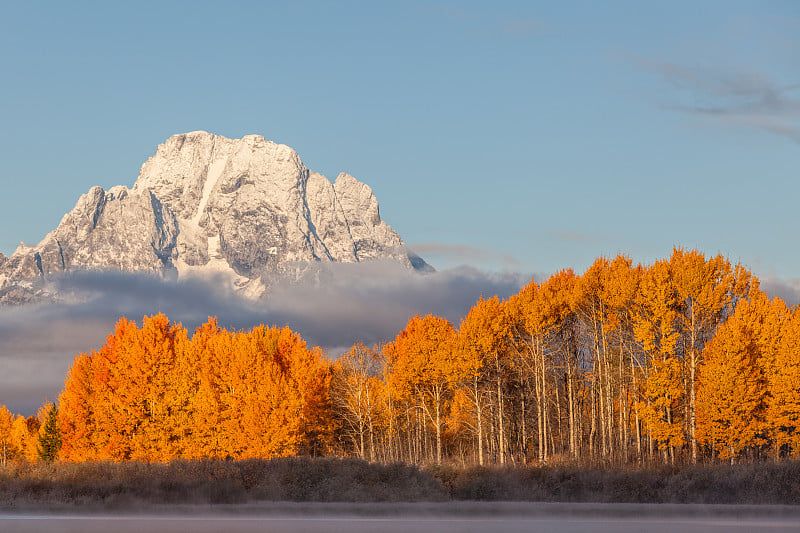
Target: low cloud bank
{"points": [[786, 290], [369, 302]]}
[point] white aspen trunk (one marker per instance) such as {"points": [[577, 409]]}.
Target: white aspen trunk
{"points": [[608, 414], [491, 437], [361, 437], [545, 425], [438, 430], [671, 448], [372, 452], [623, 419], [573, 448], [500, 422], [636, 411], [593, 425], [598, 381], [479, 414], [558, 419], [539, 407], [524, 434]]}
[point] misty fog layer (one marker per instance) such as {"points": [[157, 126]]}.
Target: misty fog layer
{"points": [[347, 303], [423, 518]]}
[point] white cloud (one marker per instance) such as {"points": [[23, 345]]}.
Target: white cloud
{"points": [[368, 302], [787, 290]]}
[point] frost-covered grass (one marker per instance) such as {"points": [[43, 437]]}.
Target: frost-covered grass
{"points": [[764, 483], [214, 481], [136, 485]]}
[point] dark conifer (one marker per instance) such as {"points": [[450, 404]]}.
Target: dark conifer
{"points": [[50, 436]]}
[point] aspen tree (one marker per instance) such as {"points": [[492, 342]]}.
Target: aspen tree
{"points": [[708, 291], [732, 391], [480, 339], [783, 381], [426, 364], [7, 448]]}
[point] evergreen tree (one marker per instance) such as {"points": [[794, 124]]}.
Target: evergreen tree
{"points": [[50, 436]]}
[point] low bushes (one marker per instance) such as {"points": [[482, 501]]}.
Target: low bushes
{"points": [[768, 483], [303, 479], [215, 482]]}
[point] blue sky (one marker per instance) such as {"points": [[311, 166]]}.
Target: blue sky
{"points": [[523, 136]]}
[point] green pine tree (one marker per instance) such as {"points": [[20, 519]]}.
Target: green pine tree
{"points": [[50, 436]]}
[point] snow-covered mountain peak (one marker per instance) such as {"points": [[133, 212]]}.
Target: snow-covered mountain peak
{"points": [[205, 204]]}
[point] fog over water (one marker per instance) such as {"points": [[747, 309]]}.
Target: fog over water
{"points": [[420, 518]]}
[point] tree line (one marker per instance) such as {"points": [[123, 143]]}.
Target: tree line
{"points": [[684, 360]]}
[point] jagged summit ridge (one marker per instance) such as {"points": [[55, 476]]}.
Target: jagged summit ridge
{"points": [[205, 204]]}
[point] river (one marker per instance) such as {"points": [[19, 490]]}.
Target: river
{"points": [[462, 517]]}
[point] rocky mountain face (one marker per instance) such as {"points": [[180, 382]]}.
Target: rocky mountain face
{"points": [[244, 209]]}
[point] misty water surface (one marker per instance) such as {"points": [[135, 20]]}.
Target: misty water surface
{"points": [[419, 518]]}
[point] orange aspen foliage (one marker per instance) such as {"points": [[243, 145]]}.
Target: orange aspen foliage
{"points": [[7, 449], [309, 377], [425, 365], [540, 311], [603, 304], [152, 394], [783, 377], [19, 437], [270, 392], [481, 335], [603, 366], [141, 393], [25, 435], [482, 339], [76, 413], [663, 396], [732, 390], [656, 311], [620, 282], [204, 353], [708, 290]]}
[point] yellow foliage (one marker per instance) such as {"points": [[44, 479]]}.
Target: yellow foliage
{"points": [[664, 394], [152, 394], [730, 398]]}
